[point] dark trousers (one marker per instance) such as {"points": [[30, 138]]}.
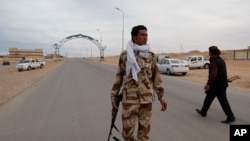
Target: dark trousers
{"points": [[222, 97]]}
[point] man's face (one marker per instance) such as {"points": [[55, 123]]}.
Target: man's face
{"points": [[141, 38]]}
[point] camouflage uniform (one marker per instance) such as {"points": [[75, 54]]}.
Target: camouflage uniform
{"points": [[137, 96]]}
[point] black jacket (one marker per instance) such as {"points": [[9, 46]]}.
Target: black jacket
{"points": [[217, 73]]}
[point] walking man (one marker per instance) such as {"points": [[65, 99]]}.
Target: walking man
{"points": [[216, 86], [139, 78]]}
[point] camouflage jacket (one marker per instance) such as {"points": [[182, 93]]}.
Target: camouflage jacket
{"points": [[149, 81]]}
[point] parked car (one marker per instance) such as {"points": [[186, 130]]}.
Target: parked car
{"points": [[160, 58], [170, 66], [197, 61], [6, 62], [28, 64]]}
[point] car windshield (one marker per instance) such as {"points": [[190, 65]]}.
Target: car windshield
{"points": [[177, 61], [187, 58], [24, 61]]}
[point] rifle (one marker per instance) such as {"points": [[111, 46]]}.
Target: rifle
{"points": [[231, 79], [114, 113]]}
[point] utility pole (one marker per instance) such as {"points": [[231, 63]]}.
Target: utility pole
{"points": [[122, 26]]}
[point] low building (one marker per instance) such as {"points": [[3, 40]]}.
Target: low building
{"points": [[26, 53]]}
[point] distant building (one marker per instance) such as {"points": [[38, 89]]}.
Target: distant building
{"points": [[26, 53]]}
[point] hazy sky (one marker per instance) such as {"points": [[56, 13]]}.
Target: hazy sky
{"points": [[173, 25]]}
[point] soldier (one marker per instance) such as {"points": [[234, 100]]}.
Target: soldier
{"points": [[139, 78]]}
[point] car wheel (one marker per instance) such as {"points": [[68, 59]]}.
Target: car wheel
{"points": [[206, 66], [41, 66], [168, 72], [184, 73], [29, 68]]}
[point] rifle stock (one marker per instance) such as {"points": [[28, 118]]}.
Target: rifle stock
{"points": [[233, 78]]}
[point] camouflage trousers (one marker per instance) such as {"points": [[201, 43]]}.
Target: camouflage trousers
{"points": [[133, 113]]}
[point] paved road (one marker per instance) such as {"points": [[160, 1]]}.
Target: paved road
{"points": [[72, 104]]}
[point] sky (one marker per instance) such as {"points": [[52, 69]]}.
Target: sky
{"points": [[174, 26]]}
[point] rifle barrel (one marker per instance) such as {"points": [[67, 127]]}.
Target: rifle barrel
{"points": [[114, 114]]}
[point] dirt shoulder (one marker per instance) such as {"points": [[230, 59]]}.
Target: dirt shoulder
{"points": [[13, 82]]}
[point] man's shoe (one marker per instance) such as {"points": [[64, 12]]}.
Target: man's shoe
{"points": [[200, 113], [228, 121]]}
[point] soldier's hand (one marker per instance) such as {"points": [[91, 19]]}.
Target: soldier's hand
{"points": [[163, 104], [114, 107]]}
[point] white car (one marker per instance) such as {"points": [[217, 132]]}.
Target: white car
{"points": [[170, 66], [197, 61], [29, 64]]}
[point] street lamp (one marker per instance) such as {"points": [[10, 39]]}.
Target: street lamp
{"points": [[100, 35], [122, 26]]}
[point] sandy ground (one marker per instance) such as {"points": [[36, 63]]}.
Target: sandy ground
{"points": [[234, 67], [13, 82]]}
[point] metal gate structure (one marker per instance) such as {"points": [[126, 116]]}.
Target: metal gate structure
{"points": [[101, 48]]}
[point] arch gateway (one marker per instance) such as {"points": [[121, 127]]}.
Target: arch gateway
{"points": [[101, 48]]}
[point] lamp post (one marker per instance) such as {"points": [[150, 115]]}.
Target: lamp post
{"points": [[100, 35], [122, 26]]}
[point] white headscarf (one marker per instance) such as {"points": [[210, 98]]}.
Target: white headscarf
{"points": [[131, 64]]}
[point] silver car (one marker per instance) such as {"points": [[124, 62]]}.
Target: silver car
{"points": [[170, 66]]}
